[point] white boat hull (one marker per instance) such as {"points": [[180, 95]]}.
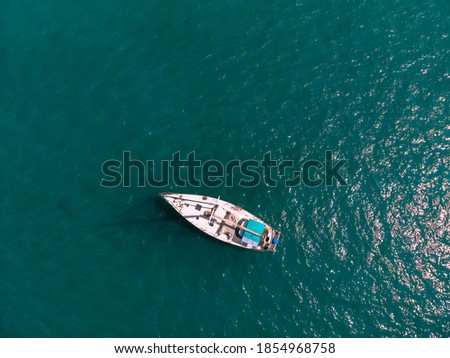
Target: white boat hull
{"points": [[224, 221]]}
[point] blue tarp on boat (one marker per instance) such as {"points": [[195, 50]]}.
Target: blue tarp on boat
{"points": [[256, 227]]}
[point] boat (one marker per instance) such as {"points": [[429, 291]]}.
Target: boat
{"points": [[224, 221]]}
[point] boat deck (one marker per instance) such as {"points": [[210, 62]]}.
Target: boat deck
{"points": [[225, 221]]}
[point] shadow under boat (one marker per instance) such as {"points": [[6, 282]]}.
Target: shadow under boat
{"points": [[152, 210]]}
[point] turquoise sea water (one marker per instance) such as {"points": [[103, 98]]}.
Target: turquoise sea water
{"points": [[82, 81]]}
